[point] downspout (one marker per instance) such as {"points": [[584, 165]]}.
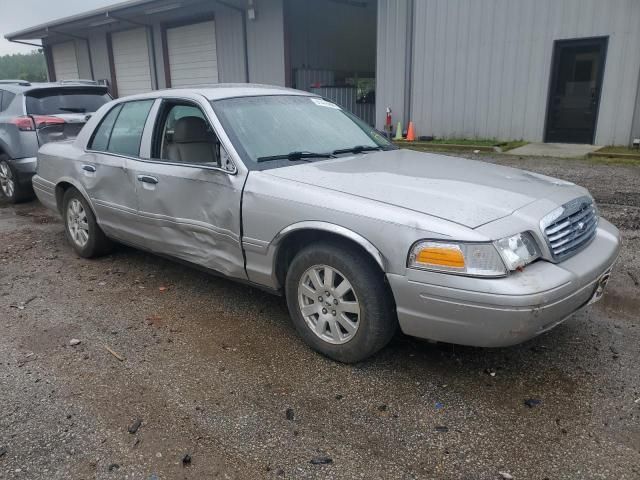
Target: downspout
{"points": [[48, 58], [408, 65], [151, 39], [635, 120], [93, 76]]}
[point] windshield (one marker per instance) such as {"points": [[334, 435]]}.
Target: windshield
{"points": [[275, 126], [65, 100]]}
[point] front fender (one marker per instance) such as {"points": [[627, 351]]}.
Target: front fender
{"points": [[335, 229], [262, 256]]}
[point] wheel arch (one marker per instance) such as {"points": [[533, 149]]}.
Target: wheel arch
{"points": [[4, 149], [63, 185], [290, 240]]}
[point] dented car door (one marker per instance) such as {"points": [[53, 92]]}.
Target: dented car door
{"points": [[188, 204], [192, 213]]}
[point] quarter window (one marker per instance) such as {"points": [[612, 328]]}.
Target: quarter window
{"points": [[121, 130], [100, 140], [5, 99]]}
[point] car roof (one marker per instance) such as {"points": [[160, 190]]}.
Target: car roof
{"points": [[20, 86], [224, 90]]}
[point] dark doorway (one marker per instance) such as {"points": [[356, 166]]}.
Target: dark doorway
{"points": [[574, 93]]}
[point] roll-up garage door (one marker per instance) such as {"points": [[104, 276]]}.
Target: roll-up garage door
{"points": [[192, 54], [65, 62], [131, 61]]}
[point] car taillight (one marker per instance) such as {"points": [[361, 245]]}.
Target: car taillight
{"points": [[24, 124], [28, 123]]}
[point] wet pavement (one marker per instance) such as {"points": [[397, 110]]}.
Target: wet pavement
{"points": [[213, 369]]}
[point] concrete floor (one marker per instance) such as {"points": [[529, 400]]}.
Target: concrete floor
{"points": [[558, 150]]}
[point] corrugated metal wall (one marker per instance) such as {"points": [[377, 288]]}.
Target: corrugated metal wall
{"points": [[481, 67], [265, 43], [332, 35], [99, 56], [390, 61], [346, 97], [230, 45], [229, 39], [304, 78]]}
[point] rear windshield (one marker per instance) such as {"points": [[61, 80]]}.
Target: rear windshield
{"points": [[67, 100]]}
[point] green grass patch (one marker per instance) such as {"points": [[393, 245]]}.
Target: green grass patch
{"points": [[453, 144], [480, 142], [624, 150], [484, 142], [513, 144], [628, 162]]}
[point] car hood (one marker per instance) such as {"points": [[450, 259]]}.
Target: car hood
{"points": [[468, 192]]}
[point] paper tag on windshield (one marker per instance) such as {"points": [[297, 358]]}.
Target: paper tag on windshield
{"points": [[324, 103]]}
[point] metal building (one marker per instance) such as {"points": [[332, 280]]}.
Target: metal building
{"points": [[537, 70], [552, 70]]}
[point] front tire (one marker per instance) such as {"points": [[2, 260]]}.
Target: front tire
{"points": [[9, 184], [339, 301], [80, 226]]}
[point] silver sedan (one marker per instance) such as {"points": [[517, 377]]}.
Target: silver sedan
{"points": [[285, 190]]}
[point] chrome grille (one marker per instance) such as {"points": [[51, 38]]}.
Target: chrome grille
{"points": [[571, 228]]}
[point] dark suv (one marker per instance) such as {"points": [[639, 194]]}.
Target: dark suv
{"points": [[32, 114]]}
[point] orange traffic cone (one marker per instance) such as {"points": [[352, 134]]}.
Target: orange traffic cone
{"points": [[411, 134]]}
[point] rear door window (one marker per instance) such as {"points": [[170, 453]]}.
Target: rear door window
{"points": [[54, 101], [126, 133]]}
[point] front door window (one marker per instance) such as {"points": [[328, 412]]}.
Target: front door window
{"points": [[183, 135]]}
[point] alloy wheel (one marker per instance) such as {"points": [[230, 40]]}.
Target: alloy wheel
{"points": [[6, 180], [77, 223], [329, 304]]}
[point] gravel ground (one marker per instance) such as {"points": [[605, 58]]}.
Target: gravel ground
{"points": [[214, 370]]}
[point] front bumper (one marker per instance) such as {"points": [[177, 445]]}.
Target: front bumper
{"points": [[25, 169], [503, 311]]}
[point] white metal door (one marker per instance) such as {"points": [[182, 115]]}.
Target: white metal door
{"points": [[131, 61], [65, 62], [192, 54]]}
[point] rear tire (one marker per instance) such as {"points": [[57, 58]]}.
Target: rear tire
{"points": [[347, 322], [9, 185], [80, 226]]}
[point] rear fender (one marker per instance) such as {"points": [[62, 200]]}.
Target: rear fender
{"points": [[78, 186]]}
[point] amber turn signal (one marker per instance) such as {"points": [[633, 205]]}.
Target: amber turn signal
{"points": [[442, 256]]}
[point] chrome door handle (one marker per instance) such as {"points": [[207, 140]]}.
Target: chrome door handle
{"points": [[89, 168], [147, 179]]}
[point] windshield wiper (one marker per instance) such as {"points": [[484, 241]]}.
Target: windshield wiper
{"points": [[73, 109], [294, 156], [356, 149]]}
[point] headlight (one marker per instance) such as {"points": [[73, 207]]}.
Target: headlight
{"points": [[518, 250], [475, 259]]}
